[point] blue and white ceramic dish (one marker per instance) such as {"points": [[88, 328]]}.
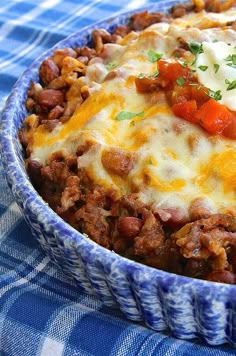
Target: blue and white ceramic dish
{"points": [[187, 307]]}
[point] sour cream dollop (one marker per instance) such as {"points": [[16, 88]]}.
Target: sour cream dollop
{"points": [[216, 69]]}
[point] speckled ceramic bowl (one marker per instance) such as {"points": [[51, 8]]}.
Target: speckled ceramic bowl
{"points": [[187, 307]]}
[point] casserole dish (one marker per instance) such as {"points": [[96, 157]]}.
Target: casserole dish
{"points": [[188, 307]]}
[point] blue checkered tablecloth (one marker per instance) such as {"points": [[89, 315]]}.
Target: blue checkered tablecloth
{"points": [[41, 311]]}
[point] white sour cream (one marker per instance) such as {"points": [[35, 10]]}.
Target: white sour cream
{"points": [[219, 70]]}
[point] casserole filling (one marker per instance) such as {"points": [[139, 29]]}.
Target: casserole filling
{"points": [[132, 141]]}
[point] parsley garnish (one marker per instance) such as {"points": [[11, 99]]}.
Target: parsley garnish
{"points": [[231, 85], [180, 81], [154, 56], [109, 66], [203, 68], [126, 115], [151, 75], [195, 47], [216, 67], [216, 95], [150, 161], [232, 60]]}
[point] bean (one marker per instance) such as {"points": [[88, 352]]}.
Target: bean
{"points": [[129, 227], [49, 98], [117, 162], [48, 71]]}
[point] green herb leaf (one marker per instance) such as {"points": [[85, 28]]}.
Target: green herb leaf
{"points": [[203, 68], [231, 85], [232, 60], [195, 47], [151, 75], [154, 56], [110, 66], [180, 81], [216, 67], [216, 95], [150, 161], [126, 115], [231, 65]]}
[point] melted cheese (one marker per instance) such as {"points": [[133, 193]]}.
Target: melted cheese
{"points": [[170, 171]]}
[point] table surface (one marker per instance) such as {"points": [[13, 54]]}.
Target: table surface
{"points": [[41, 311]]}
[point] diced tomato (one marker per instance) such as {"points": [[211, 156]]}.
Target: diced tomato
{"points": [[171, 70], [213, 116], [179, 94], [199, 93], [230, 130], [186, 110]]}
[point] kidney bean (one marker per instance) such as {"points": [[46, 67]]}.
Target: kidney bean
{"points": [[173, 217], [117, 161], [221, 276], [48, 71], [129, 226], [49, 98]]}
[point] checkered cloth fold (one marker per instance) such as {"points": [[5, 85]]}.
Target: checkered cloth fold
{"points": [[41, 311]]}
